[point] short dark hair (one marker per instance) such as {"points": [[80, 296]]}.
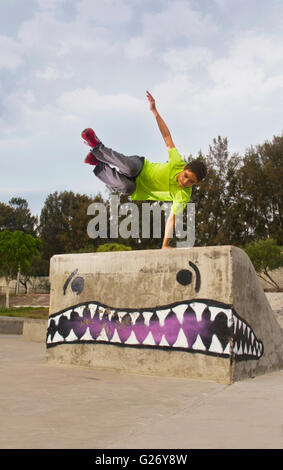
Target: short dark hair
{"points": [[198, 167]]}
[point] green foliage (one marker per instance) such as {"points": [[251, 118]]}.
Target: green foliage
{"points": [[17, 216], [63, 222], [265, 256], [239, 201], [16, 251], [113, 247]]}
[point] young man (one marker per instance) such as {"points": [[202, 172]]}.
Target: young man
{"points": [[143, 180]]}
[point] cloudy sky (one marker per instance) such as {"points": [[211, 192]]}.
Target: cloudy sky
{"points": [[215, 67]]}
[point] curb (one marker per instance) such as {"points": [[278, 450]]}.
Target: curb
{"points": [[30, 328]]}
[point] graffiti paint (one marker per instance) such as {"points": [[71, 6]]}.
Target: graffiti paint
{"points": [[203, 326]]}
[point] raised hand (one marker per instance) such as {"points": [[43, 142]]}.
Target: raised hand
{"points": [[151, 101]]}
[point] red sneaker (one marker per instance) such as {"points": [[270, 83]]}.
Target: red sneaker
{"points": [[91, 159], [90, 138]]}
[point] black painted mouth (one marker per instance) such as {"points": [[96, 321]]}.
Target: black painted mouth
{"points": [[202, 326]]}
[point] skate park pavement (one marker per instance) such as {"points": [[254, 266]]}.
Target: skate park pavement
{"points": [[43, 406]]}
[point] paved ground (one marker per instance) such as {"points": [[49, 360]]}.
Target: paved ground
{"points": [[50, 407]]}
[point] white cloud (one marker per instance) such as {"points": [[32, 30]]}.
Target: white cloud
{"points": [[179, 19], [52, 73], [182, 60], [138, 47], [11, 53], [89, 100], [106, 12]]}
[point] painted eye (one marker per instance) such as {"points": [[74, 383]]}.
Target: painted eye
{"points": [[184, 277], [77, 285]]}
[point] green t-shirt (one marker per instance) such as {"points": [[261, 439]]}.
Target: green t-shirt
{"points": [[158, 182]]}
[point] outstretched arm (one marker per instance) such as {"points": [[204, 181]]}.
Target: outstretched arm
{"points": [[169, 227], [161, 124]]}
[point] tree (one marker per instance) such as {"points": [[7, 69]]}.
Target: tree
{"points": [[37, 267], [265, 256], [218, 220], [113, 247], [16, 251], [17, 216], [261, 179], [63, 223]]}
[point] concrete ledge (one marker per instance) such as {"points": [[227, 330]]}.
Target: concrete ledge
{"points": [[11, 325], [34, 330], [188, 312]]}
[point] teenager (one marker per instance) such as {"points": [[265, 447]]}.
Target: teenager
{"points": [[143, 180]]}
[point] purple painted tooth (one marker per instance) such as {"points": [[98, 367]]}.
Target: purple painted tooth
{"points": [[95, 325], [156, 330], [64, 326], [79, 324], [124, 328], [206, 327], [171, 328], [190, 326], [140, 329]]}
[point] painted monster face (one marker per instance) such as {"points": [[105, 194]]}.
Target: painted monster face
{"points": [[194, 325]]}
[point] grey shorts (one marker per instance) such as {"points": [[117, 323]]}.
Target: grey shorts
{"points": [[122, 180]]}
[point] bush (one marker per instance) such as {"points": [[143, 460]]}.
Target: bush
{"points": [[113, 247]]}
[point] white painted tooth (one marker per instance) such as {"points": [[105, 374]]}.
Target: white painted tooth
{"points": [[92, 308], [71, 337], [227, 350], [235, 323], [250, 351], [121, 316], [56, 320], [214, 311], [132, 339], [244, 327], [179, 311], [239, 324], [102, 336], [240, 350], [147, 316], [134, 317], [252, 337], [57, 338], [162, 314], [79, 310], [101, 311], [245, 349], [87, 336], [198, 344], [198, 308], [230, 317], [110, 314], [181, 341], [149, 340], [235, 349], [115, 338], [215, 345], [67, 314], [163, 341]]}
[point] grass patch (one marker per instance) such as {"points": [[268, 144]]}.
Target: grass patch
{"points": [[25, 312]]}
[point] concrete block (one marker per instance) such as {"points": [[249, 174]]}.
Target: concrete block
{"points": [[186, 312], [35, 330], [11, 325]]}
